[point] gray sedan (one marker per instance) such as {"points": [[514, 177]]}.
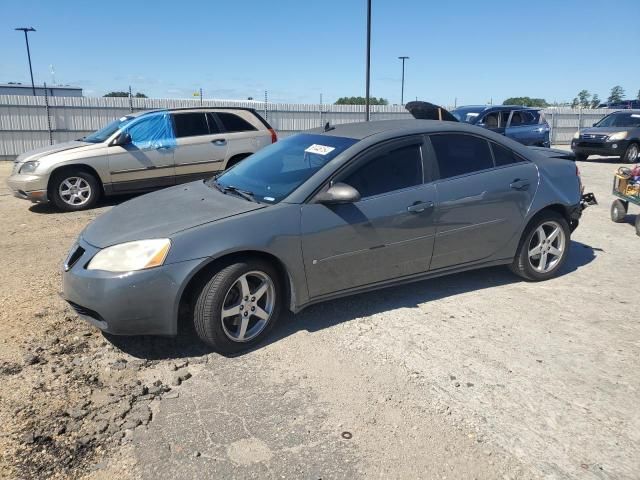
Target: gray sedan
{"points": [[320, 215]]}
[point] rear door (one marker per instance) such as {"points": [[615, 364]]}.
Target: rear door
{"points": [[201, 147], [244, 133], [387, 234], [148, 161], [524, 127], [482, 202]]}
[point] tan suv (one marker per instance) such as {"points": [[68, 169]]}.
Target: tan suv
{"points": [[140, 152]]}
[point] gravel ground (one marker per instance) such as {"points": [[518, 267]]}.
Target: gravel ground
{"points": [[476, 375]]}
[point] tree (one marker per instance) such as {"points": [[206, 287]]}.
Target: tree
{"points": [[125, 94], [595, 101], [616, 95], [361, 101], [575, 103], [583, 98], [526, 102]]}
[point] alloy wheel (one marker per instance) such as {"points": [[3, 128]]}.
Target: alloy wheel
{"points": [[632, 153], [547, 246], [75, 191], [248, 306]]}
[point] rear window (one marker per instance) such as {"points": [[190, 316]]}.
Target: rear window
{"points": [[504, 156], [190, 124], [233, 123], [459, 154]]}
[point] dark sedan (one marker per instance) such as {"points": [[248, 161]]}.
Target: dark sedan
{"points": [[617, 135], [319, 215]]}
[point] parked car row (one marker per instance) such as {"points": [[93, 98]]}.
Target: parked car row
{"points": [[140, 152]]}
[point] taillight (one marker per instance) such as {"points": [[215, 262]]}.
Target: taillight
{"points": [[274, 135]]}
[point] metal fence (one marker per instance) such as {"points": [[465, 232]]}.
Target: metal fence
{"points": [[31, 122]]}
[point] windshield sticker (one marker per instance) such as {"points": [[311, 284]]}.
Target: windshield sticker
{"points": [[269, 199], [319, 149]]}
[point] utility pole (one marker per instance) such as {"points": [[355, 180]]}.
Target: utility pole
{"points": [[402, 90], [201, 97], [367, 99], [26, 39]]}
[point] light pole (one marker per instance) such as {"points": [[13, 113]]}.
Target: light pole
{"points": [[26, 39], [367, 100], [402, 90]]}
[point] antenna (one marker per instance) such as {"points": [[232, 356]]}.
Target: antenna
{"points": [[53, 74]]}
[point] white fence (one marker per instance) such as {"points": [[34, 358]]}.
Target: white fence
{"points": [[31, 122]]}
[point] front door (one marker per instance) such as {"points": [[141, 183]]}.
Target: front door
{"points": [[201, 146], [482, 203], [147, 162], [387, 234]]}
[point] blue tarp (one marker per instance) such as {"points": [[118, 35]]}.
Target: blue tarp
{"points": [[153, 130]]}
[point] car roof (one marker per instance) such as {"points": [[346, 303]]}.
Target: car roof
{"points": [[485, 108], [190, 109], [392, 128]]}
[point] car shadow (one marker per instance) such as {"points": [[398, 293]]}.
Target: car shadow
{"points": [[110, 201], [608, 160], [330, 313]]}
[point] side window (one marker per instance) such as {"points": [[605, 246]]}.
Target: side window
{"points": [[213, 124], [190, 124], [458, 154], [517, 119], [233, 123], [504, 156], [151, 131], [394, 170], [530, 118], [491, 120]]}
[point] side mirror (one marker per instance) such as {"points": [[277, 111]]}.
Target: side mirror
{"points": [[123, 139], [338, 193]]}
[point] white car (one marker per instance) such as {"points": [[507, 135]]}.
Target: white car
{"points": [[140, 152]]}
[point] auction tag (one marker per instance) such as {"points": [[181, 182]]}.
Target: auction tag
{"points": [[319, 149]]}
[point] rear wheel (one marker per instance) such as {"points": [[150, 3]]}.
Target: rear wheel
{"points": [[632, 154], [618, 211], [73, 190], [543, 249], [238, 306]]}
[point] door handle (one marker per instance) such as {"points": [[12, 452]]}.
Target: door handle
{"points": [[519, 184], [420, 207], [219, 142]]}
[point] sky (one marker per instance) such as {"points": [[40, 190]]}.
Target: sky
{"points": [[461, 51]]}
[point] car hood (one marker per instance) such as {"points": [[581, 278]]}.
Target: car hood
{"points": [[604, 130], [58, 147], [164, 213]]}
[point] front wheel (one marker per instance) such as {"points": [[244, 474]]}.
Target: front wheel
{"points": [[618, 211], [238, 306], [543, 248], [631, 154], [72, 190]]}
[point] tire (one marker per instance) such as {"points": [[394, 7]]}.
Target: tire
{"points": [[618, 211], [531, 269], [223, 290], [67, 199], [580, 157], [632, 153]]}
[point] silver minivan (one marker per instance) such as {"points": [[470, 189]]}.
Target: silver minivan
{"points": [[140, 152]]}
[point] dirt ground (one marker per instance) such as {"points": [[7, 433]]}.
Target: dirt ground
{"points": [[476, 375]]}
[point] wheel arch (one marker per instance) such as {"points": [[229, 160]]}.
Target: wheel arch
{"points": [[236, 158], [74, 167], [204, 271]]}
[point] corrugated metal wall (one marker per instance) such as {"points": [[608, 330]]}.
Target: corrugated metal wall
{"points": [[24, 125]]}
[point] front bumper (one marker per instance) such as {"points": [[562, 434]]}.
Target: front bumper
{"points": [[29, 187], [132, 303], [607, 149]]}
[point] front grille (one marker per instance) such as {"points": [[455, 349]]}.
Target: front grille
{"points": [[85, 312], [593, 136], [73, 257]]}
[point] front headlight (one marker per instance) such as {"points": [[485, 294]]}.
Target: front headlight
{"points": [[131, 256], [576, 135], [617, 136], [29, 167]]}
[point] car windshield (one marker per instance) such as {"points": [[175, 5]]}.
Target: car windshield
{"points": [[467, 114], [101, 135], [277, 170], [628, 120]]}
